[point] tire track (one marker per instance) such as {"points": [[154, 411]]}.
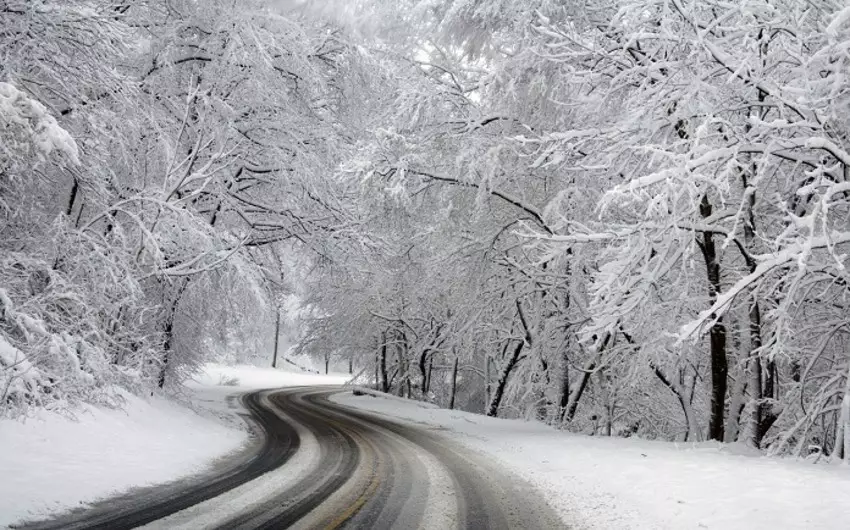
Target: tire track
{"points": [[359, 470], [146, 505]]}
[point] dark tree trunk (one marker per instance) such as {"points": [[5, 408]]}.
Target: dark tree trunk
{"points": [[276, 338], [717, 333], [382, 364], [499, 390], [423, 371], [763, 408], [487, 385], [767, 414], [75, 187], [454, 385], [166, 346], [719, 374], [401, 355], [430, 374], [564, 399], [575, 397], [168, 332]]}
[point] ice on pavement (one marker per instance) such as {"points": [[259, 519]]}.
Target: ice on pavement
{"points": [[615, 483]]}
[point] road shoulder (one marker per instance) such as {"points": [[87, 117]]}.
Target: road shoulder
{"points": [[611, 483]]}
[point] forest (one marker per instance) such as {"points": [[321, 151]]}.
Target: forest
{"points": [[617, 217]]}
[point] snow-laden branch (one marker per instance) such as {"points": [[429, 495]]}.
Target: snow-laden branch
{"points": [[510, 199], [188, 268], [796, 253]]}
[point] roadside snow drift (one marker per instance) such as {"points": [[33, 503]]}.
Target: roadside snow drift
{"points": [[50, 463], [616, 483]]}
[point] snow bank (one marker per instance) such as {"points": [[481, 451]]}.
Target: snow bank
{"points": [[51, 463], [636, 484]]}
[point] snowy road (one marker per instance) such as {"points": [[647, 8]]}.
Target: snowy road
{"points": [[325, 465]]}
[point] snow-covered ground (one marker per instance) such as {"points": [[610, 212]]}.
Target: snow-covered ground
{"points": [[245, 378], [51, 463], [636, 484]]}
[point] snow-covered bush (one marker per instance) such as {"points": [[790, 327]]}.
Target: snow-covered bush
{"points": [[63, 339], [29, 128]]}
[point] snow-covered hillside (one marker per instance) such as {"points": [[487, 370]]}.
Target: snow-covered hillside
{"points": [[50, 463]]}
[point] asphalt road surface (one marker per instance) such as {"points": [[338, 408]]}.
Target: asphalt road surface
{"points": [[318, 464]]}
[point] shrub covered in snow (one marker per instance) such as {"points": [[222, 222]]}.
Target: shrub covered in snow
{"points": [[63, 341], [31, 127]]}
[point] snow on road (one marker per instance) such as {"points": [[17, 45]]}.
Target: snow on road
{"points": [[51, 463], [611, 483]]}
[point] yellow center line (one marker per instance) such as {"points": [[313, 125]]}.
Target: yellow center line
{"points": [[367, 494]]}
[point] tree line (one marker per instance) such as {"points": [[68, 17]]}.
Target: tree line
{"points": [[619, 217]]}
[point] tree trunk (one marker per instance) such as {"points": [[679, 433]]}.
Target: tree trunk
{"points": [[168, 332], [385, 387], [608, 401], [454, 385], [75, 186], [717, 333], [404, 376], [499, 390], [737, 422], [564, 392], [842, 431], [423, 372], [430, 375], [578, 391], [575, 397], [377, 375], [487, 362], [276, 338], [765, 413], [690, 418]]}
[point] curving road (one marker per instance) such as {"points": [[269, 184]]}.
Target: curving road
{"points": [[319, 464]]}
